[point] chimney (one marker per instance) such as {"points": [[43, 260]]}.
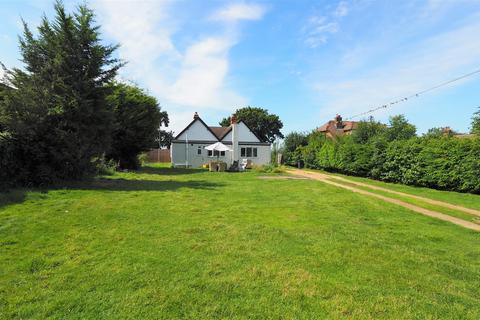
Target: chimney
{"points": [[236, 149], [233, 119], [195, 116], [339, 121]]}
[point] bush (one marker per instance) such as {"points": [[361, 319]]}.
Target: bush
{"points": [[268, 168], [395, 154]]}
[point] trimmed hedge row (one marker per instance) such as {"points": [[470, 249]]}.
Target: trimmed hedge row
{"points": [[446, 163]]}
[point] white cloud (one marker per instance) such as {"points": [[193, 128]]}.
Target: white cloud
{"points": [[319, 28], [341, 10], [239, 11], [422, 65], [184, 80], [203, 72]]}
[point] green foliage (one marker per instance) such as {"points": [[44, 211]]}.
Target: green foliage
{"points": [[56, 117], [164, 140], [367, 130], [268, 168], [164, 243], [434, 133], [400, 129], [291, 143], [476, 123], [395, 154], [137, 117], [265, 125], [308, 153]]}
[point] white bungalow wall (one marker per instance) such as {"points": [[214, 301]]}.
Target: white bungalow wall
{"points": [[197, 131], [244, 134]]}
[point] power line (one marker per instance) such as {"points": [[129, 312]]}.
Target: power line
{"points": [[415, 95]]}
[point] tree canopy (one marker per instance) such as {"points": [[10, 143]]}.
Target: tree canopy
{"points": [[291, 143], [368, 129], [400, 129], [265, 125], [56, 116], [476, 123], [137, 119]]}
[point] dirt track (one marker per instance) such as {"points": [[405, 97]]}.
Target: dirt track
{"points": [[434, 214]]}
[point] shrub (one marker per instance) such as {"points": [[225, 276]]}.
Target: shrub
{"points": [[268, 168], [395, 154]]}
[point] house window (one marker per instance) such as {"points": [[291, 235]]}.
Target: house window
{"points": [[199, 150], [216, 153], [249, 152]]}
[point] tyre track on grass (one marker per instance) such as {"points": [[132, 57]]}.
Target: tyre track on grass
{"points": [[434, 214]]}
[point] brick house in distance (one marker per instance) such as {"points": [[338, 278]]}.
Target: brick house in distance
{"points": [[338, 127]]}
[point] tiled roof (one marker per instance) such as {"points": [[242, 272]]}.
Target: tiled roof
{"points": [[220, 132], [331, 125]]}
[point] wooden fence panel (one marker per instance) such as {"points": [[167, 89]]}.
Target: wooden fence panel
{"points": [[159, 155]]}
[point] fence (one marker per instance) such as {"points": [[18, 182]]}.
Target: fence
{"points": [[158, 155]]}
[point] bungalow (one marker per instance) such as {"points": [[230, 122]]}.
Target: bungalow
{"points": [[188, 147], [338, 127]]}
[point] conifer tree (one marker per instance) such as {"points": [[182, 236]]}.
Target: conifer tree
{"points": [[56, 115]]}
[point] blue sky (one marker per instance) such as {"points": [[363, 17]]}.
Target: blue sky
{"points": [[303, 60]]}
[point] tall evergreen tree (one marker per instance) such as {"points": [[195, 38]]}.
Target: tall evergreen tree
{"points": [[56, 114]]}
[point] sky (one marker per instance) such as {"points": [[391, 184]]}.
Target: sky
{"points": [[305, 61]]}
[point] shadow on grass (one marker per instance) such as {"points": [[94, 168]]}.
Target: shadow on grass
{"points": [[168, 171], [139, 185], [11, 197], [19, 195]]}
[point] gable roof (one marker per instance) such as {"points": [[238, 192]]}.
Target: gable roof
{"points": [[218, 132], [195, 119]]}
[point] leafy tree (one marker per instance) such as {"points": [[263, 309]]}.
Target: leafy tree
{"points": [[476, 123], [400, 129], [56, 117], [367, 130], [439, 132], [266, 126], [165, 139], [137, 118], [291, 143], [434, 133]]}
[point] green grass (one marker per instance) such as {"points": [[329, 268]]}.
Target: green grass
{"points": [[467, 200], [406, 198], [170, 244]]}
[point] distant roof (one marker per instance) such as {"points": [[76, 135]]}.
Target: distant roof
{"points": [[332, 125]]}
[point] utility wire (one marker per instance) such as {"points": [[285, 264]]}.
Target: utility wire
{"points": [[415, 95]]}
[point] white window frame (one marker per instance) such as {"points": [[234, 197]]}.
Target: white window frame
{"points": [[253, 152]]}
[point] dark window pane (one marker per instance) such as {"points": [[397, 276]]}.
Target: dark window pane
{"points": [[199, 150], [242, 152], [222, 153], [254, 152], [249, 152], [209, 153]]}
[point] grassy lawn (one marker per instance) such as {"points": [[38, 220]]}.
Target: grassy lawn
{"points": [[467, 200], [167, 244], [411, 190]]}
